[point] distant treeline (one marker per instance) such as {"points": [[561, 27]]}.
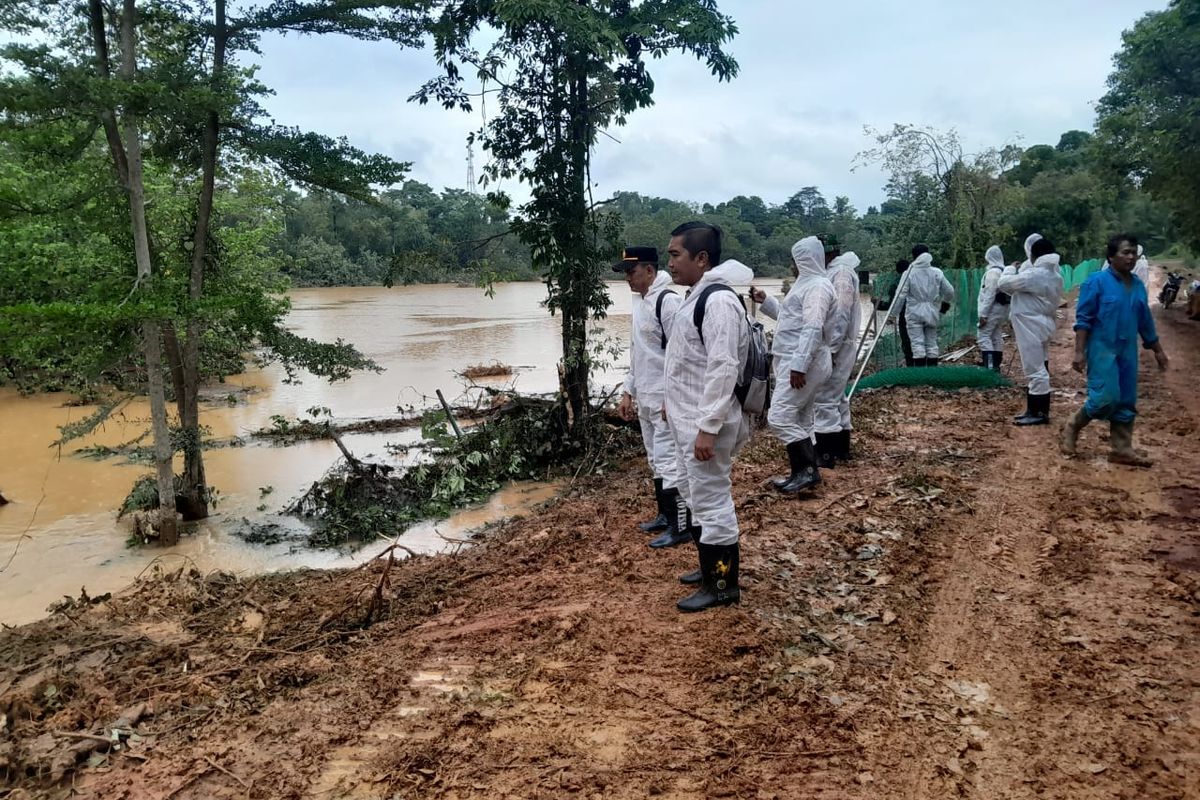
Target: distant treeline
{"points": [[415, 234]]}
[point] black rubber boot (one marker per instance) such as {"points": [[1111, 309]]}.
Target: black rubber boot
{"points": [[985, 359], [1038, 412], [805, 474], [826, 450], [842, 448], [1028, 412], [795, 462], [696, 576], [677, 528], [997, 359], [663, 519], [719, 587]]}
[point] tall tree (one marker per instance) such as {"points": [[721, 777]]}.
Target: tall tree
{"points": [[562, 71], [181, 97], [1149, 121]]}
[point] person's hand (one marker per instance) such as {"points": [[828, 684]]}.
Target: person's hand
{"points": [[982, 322], [797, 380], [1161, 358], [705, 444], [663, 412], [1079, 363], [625, 407], [945, 307], [757, 295]]}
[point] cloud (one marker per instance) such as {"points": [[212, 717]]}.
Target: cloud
{"points": [[812, 75]]}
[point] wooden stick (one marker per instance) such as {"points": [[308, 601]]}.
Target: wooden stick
{"points": [[337, 439], [449, 414], [843, 496], [680, 709], [219, 768]]}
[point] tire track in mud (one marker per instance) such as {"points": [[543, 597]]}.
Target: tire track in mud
{"points": [[1059, 659]]}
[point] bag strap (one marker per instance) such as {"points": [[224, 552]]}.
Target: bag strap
{"points": [[658, 313], [702, 301]]}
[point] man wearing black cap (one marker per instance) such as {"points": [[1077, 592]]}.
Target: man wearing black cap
{"points": [[654, 307]]}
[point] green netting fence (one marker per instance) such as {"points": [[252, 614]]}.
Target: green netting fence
{"points": [[886, 367]]}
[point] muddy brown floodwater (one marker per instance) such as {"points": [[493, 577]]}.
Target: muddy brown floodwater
{"points": [[61, 523]]}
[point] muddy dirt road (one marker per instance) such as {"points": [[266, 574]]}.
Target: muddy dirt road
{"points": [[961, 613]]}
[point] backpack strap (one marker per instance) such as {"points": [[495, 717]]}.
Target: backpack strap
{"points": [[702, 301], [658, 313]]}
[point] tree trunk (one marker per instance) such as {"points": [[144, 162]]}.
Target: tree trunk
{"points": [[194, 491], [578, 275], [151, 337]]}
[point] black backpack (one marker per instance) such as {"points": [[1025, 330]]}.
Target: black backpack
{"points": [[753, 389], [658, 313]]}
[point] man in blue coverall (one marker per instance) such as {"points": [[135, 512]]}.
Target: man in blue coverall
{"points": [[1113, 311]]}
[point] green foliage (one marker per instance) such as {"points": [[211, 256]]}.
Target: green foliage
{"points": [[406, 235], [67, 319], [560, 73], [1149, 121], [356, 504]]}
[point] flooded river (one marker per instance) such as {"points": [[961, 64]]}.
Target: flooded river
{"points": [[61, 529]]}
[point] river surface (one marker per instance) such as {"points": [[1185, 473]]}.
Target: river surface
{"points": [[60, 529]]}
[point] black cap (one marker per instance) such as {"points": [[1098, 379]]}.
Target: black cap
{"points": [[632, 256]]}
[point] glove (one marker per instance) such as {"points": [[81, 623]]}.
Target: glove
{"points": [[945, 308]]}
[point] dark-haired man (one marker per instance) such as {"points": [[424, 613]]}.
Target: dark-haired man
{"points": [[654, 307], [702, 368], [1112, 312], [1035, 289]]}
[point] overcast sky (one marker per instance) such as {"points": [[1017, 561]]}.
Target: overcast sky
{"points": [[812, 75]]}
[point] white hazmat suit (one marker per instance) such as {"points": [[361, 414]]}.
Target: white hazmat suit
{"points": [[1030, 240], [701, 375], [993, 310], [1036, 291], [833, 408], [922, 294], [1142, 268], [644, 381], [805, 323]]}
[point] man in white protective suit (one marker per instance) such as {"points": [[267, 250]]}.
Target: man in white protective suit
{"points": [[805, 321], [654, 307], [926, 295], [706, 348], [1030, 240], [1036, 289], [1141, 268], [833, 407], [993, 310]]}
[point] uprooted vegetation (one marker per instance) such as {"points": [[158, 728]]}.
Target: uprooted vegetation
{"points": [[527, 438], [493, 370]]}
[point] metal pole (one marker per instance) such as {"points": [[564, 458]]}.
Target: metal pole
{"points": [[879, 332]]}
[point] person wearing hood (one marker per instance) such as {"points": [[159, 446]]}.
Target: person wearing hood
{"points": [[1142, 268], [993, 310], [1112, 312], [926, 295], [703, 364], [805, 323], [1030, 241], [1036, 290], [654, 308], [833, 408]]}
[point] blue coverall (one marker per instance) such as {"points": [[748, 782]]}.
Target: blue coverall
{"points": [[1115, 313]]}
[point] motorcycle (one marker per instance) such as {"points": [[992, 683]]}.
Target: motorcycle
{"points": [[1170, 289]]}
